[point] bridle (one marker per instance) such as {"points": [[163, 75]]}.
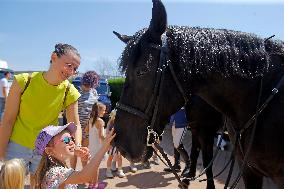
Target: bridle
{"points": [[153, 104]]}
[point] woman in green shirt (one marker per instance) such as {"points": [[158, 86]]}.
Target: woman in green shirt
{"points": [[35, 101]]}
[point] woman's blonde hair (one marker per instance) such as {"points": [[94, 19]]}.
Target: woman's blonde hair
{"points": [[12, 174]]}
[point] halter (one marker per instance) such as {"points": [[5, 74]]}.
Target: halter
{"points": [[164, 62], [152, 135]]}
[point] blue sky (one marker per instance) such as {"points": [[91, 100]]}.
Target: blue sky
{"points": [[30, 28]]}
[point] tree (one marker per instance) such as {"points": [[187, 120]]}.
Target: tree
{"points": [[106, 67]]}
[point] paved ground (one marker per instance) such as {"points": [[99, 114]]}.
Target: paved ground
{"points": [[157, 178]]}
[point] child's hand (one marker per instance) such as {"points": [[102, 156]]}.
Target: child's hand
{"points": [[83, 153], [109, 137]]}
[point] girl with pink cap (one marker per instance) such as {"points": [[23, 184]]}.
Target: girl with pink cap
{"points": [[56, 146]]}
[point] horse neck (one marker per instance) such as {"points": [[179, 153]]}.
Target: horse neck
{"points": [[230, 95]]}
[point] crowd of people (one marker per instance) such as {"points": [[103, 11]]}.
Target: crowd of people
{"points": [[48, 152]]}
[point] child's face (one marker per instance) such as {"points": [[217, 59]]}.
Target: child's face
{"points": [[64, 145], [102, 111]]}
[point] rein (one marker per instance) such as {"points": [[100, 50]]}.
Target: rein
{"points": [[153, 136], [248, 124], [213, 159]]}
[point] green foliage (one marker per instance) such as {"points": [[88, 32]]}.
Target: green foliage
{"points": [[116, 89]]}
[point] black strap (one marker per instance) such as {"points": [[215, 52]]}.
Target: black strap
{"points": [[179, 86], [66, 92], [155, 152], [274, 91], [27, 83], [232, 160], [131, 110], [210, 164], [158, 147]]}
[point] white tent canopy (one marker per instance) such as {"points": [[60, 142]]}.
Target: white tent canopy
{"points": [[3, 64]]}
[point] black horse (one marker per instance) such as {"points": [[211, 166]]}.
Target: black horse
{"points": [[232, 71], [204, 121]]}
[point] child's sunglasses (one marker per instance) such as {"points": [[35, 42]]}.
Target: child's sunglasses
{"points": [[67, 139]]}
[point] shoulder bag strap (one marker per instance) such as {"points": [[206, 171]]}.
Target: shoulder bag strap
{"points": [[28, 82], [66, 92]]}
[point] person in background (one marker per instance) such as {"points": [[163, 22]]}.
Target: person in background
{"points": [[96, 130], [4, 90], [147, 163], [35, 100], [179, 127], [86, 101], [56, 145], [176, 165], [221, 142], [12, 174]]}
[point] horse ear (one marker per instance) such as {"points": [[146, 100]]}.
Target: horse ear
{"points": [[123, 38], [158, 22]]}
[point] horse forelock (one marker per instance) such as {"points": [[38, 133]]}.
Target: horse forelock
{"points": [[130, 51], [203, 50]]}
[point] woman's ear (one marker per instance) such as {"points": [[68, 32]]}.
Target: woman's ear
{"points": [[53, 57]]}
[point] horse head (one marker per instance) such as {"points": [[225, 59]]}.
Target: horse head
{"points": [[144, 72]]}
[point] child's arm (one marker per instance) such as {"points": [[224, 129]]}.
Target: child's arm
{"points": [[90, 171], [100, 127]]}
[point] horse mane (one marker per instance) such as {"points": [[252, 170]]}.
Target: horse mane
{"points": [[203, 50]]}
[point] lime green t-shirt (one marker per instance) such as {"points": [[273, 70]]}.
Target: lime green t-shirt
{"points": [[40, 106]]}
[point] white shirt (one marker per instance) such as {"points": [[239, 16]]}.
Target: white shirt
{"points": [[3, 83]]}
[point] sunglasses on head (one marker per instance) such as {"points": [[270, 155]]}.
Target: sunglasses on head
{"points": [[67, 139]]}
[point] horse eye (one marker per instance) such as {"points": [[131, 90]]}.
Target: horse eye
{"points": [[141, 72]]}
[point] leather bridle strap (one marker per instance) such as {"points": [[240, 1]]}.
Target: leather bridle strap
{"points": [[178, 83], [131, 110], [151, 104], [158, 147], [274, 91], [163, 63]]}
